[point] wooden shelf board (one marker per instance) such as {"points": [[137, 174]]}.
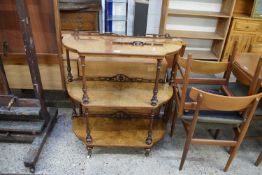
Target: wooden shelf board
{"points": [[202, 55], [198, 13], [119, 95], [194, 34], [109, 132]]}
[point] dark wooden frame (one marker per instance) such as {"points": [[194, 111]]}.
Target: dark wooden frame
{"points": [[48, 116]]}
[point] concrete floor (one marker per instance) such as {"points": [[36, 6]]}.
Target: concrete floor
{"points": [[65, 154]]}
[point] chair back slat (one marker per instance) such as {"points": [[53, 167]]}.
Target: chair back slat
{"points": [[223, 103], [204, 67]]}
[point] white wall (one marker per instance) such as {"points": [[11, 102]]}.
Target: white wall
{"points": [[154, 15]]}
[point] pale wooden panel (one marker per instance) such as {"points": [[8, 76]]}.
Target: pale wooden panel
{"points": [[204, 67], [101, 45], [19, 77], [119, 94], [109, 66]]}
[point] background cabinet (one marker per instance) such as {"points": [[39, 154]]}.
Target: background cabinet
{"points": [[79, 14], [244, 29]]}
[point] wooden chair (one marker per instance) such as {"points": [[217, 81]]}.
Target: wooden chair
{"points": [[216, 110], [189, 72], [244, 87]]}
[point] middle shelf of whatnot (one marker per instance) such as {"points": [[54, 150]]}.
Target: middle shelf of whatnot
{"points": [[202, 24]]}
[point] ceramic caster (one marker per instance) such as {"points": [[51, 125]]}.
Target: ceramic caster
{"points": [[147, 153]]}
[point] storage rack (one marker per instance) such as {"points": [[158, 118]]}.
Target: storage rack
{"points": [[111, 18], [206, 44]]}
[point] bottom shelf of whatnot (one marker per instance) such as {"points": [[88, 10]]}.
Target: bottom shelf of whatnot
{"points": [[114, 132]]}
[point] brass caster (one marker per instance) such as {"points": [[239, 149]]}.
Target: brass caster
{"points": [[147, 152], [89, 152]]}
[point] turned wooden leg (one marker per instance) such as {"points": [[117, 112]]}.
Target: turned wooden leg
{"points": [[69, 73], [259, 159], [186, 147], [85, 98], [150, 132], [80, 110], [154, 99], [216, 133], [74, 113], [88, 133]]}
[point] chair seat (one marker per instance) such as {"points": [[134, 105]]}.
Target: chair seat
{"points": [[239, 89], [119, 94], [214, 89], [215, 117]]}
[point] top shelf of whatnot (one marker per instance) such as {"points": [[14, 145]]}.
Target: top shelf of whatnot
{"points": [[178, 12]]}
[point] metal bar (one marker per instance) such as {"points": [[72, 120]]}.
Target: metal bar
{"points": [[31, 56], [154, 99]]}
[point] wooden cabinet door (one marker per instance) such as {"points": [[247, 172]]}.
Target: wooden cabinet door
{"points": [[244, 41]]}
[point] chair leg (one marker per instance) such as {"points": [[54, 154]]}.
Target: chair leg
{"points": [[233, 153], [173, 123], [186, 148], [184, 155], [239, 137], [216, 133], [259, 159]]}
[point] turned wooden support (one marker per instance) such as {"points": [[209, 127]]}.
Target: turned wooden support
{"points": [[69, 73], [149, 138], [85, 99], [74, 113], [88, 133], [154, 99]]}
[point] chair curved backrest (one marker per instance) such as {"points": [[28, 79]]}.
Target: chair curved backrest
{"points": [[189, 65], [223, 103], [203, 67]]}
